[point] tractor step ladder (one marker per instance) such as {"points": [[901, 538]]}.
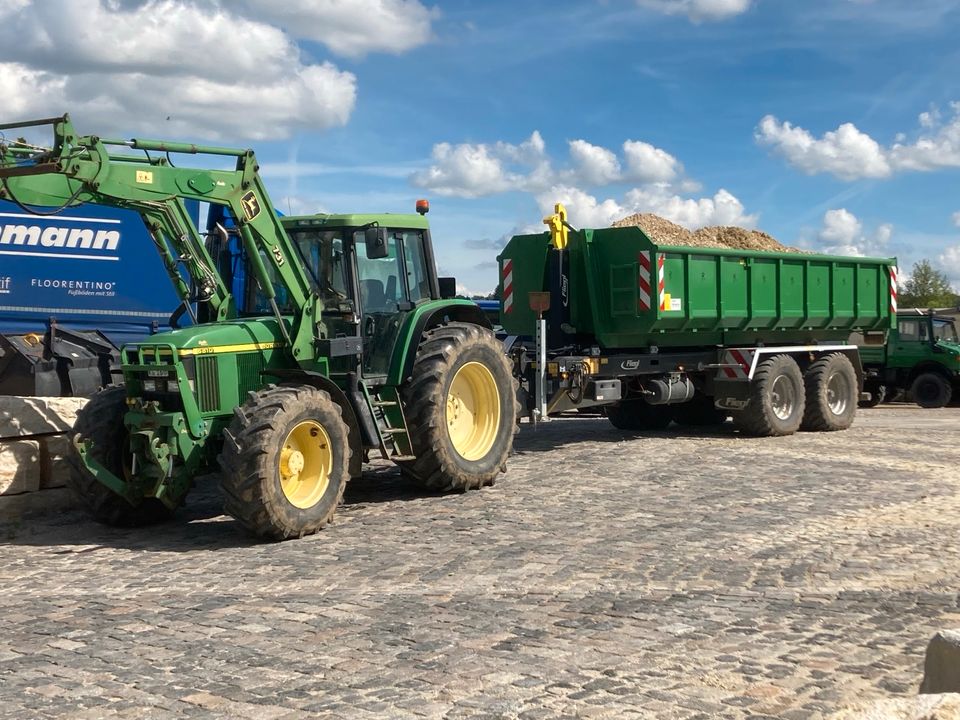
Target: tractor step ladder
{"points": [[391, 425]]}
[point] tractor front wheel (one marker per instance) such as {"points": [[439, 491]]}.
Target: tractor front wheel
{"points": [[285, 461], [100, 421], [461, 410]]}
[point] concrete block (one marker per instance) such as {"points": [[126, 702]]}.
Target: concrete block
{"points": [[20, 469], [941, 668], [53, 454], [21, 416]]}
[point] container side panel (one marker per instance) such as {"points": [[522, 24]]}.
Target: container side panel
{"points": [[522, 268], [843, 295], [763, 293]]}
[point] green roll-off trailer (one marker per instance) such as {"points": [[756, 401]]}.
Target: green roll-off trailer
{"points": [[660, 333]]}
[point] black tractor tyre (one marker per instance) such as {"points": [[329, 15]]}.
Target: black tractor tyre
{"points": [[699, 412], [776, 399], [832, 392], [931, 390], [279, 433], [448, 375], [101, 421], [637, 415]]}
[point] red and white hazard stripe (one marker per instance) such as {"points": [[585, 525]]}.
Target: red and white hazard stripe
{"points": [[737, 363], [893, 289], [661, 283], [507, 274], [644, 289]]}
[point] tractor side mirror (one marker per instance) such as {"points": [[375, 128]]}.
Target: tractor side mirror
{"points": [[376, 240], [448, 287]]}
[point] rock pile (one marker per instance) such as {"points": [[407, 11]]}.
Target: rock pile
{"points": [[664, 232]]}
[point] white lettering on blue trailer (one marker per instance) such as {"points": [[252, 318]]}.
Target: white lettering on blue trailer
{"points": [[31, 239]]}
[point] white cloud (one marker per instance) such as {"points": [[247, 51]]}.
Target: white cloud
{"points": [[842, 234], [956, 219], [850, 154], [846, 152], [479, 169], [586, 210], [170, 67], [698, 10], [353, 28], [950, 262], [646, 163], [594, 164]]}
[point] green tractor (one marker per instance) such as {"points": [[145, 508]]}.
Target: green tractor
{"points": [[342, 342]]}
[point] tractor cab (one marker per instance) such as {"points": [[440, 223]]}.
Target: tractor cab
{"points": [[371, 272]]}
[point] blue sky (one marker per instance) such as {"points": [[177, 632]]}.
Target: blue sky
{"points": [[827, 123]]}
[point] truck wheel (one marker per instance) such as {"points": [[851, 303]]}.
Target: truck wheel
{"points": [[699, 412], [776, 399], [636, 414], [101, 421], [878, 393], [285, 461], [931, 390], [460, 405], [832, 392]]}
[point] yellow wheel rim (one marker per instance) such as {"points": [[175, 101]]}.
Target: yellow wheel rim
{"points": [[473, 411], [305, 464]]}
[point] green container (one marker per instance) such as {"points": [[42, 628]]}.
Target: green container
{"points": [[707, 296]]}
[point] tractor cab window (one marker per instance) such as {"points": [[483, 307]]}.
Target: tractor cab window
{"points": [[418, 281], [323, 253], [944, 330], [380, 279]]}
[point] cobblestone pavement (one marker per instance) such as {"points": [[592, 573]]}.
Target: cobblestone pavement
{"points": [[682, 574]]}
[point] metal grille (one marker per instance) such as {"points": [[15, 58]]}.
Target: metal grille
{"points": [[249, 366], [208, 384]]}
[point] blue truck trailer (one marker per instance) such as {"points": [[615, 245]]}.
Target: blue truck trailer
{"points": [[72, 287]]}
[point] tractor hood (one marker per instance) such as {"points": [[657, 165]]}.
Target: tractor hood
{"points": [[259, 333]]}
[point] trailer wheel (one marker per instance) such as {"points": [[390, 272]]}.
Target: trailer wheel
{"points": [[831, 392], [461, 408], [931, 390], [878, 393], [637, 415], [285, 461], [776, 399], [699, 412], [101, 421]]}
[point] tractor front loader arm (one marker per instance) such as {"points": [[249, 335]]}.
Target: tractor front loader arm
{"points": [[78, 169]]}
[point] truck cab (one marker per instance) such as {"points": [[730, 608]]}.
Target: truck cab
{"points": [[920, 356]]}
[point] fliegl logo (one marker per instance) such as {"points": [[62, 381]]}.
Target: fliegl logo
{"points": [[5, 283]]}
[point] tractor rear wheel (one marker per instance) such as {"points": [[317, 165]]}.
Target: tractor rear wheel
{"points": [[285, 461], [461, 408], [832, 391], [931, 390], [776, 399], [101, 422], [636, 415]]}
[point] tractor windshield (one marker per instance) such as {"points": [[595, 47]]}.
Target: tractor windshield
{"points": [[944, 330], [322, 252]]}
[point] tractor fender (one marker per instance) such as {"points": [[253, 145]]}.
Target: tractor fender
{"points": [[421, 319], [322, 382]]}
